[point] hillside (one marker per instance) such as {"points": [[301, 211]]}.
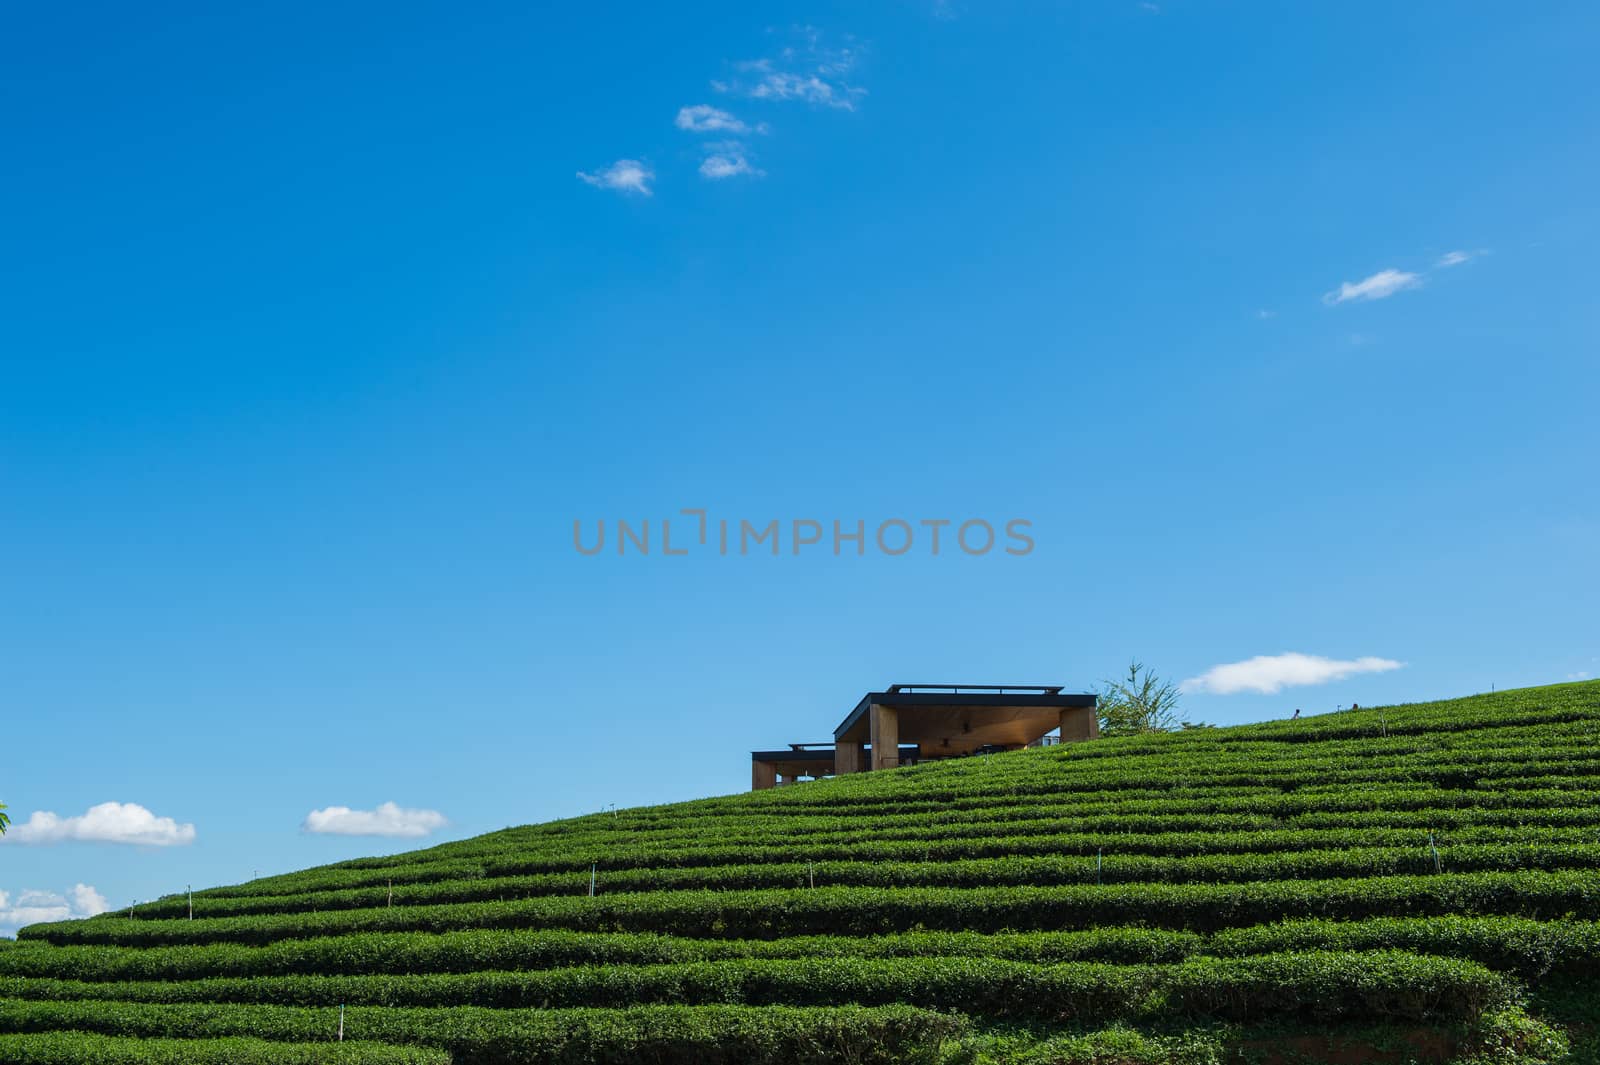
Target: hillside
{"points": [[1411, 881]]}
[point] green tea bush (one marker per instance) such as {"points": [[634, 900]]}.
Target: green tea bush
{"points": [[1203, 894], [83, 1048], [718, 1035]]}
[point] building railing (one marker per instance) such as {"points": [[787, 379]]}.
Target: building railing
{"points": [[1033, 689]]}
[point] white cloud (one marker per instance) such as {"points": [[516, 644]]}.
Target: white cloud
{"points": [[807, 88], [703, 118], [109, 822], [1381, 285], [33, 906], [1271, 673], [86, 900], [727, 160], [1456, 258], [625, 175], [387, 820], [810, 72]]}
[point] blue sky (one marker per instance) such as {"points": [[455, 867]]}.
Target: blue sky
{"points": [[320, 328]]}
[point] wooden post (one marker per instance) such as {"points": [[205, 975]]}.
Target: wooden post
{"points": [[1079, 723], [763, 775], [884, 725], [846, 758]]}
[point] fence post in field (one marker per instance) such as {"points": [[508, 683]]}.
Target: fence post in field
{"points": [[592, 870]]}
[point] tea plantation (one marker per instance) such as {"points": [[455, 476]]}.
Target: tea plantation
{"points": [[1411, 882]]}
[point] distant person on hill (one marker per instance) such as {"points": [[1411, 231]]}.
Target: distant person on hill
{"points": [[1296, 716], [1355, 706]]}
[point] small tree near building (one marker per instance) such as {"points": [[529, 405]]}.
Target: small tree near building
{"points": [[1140, 702]]}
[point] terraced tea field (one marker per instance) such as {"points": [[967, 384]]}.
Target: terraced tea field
{"points": [[1413, 881]]}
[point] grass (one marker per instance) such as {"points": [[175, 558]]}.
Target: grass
{"points": [[1414, 882]]}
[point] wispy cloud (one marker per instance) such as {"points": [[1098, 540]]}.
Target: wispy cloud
{"points": [[627, 176], [1263, 314], [808, 88], [387, 820], [109, 822], [1381, 285], [1386, 283], [1271, 673], [810, 71], [703, 118], [727, 160], [1456, 258], [32, 906], [806, 69]]}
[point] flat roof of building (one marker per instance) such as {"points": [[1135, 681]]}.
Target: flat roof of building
{"points": [[1004, 713]]}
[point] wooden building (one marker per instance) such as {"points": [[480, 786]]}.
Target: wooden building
{"points": [[910, 723]]}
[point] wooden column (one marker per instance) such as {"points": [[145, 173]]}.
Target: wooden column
{"points": [[1079, 723], [763, 775], [884, 723], [846, 758]]}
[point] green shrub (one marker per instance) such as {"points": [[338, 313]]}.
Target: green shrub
{"points": [[1403, 866], [872, 911], [1323, 985], [83, 1048], [485, 949], [723, 1035]]}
